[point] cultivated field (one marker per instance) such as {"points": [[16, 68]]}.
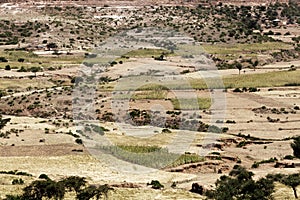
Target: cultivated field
{"points": [[126, 95]]}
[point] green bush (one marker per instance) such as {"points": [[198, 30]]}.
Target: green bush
{"points": [[237, 90], [289, 157], [79, 141], [3, 59], [7, 67], [17, 181], [156, 184], [44, 176], [165, 130]]}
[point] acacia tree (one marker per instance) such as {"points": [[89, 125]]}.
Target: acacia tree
{"points": [[292, 180], [44, 188], [74, 183], [93, 191], [239, 185], [239, 66]]}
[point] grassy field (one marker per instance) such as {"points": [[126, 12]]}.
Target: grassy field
{"points": [[151, 94], [231, 51], [147, 53], [147, 193], [191, 104], [150, 156], [21, 84], [284, 192], [33, 60], [271, 79]]}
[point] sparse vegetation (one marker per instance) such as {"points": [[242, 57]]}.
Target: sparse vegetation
{"points": [[66, 64]]}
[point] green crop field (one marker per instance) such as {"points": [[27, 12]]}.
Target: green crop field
{"points": [[271, 79], [233, 51], [191, 104]]}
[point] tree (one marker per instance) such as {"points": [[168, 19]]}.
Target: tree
{"points": [[255, 64], [239, 185], [296, 146], [292, 180], [44, 188], [93, 191], [239, 66], [74, 183], [49, 189]]}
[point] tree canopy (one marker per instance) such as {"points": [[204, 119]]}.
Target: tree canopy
{"points": [[239, 185]]}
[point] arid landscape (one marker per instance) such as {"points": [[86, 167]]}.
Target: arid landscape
{"points": [[149, 100]]}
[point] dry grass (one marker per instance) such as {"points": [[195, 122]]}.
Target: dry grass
{"points": [[284, 192], [6, 186], [147, 193], [147, 53], [33, 60], [21, 84], [157, 139]]}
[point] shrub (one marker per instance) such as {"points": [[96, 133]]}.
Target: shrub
{"points": [[241, 144], [13, 197], [2, 59], [165, 130], [21, 60], [7, 67], [79, 141], [18, 181], [289, 157], [296, 147], [230, 122], [155, 184], [214, 129], [44, 176], [237, 90], [196, 188], [256, 164], [253, 89], [22, 69]]}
